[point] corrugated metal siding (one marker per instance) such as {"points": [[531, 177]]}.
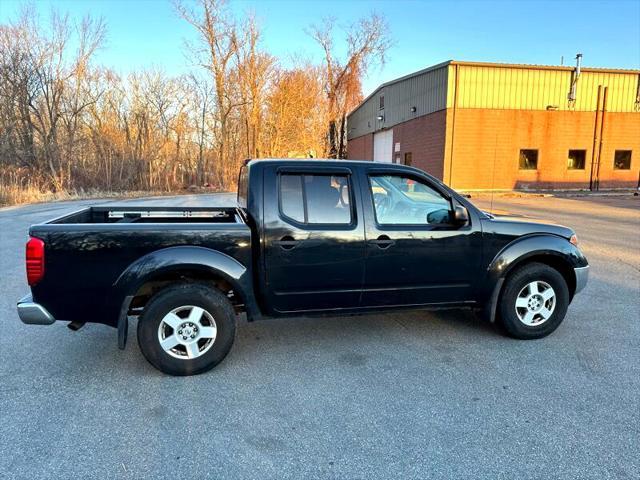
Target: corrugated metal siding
{"points": [[536, 89], [492, 86], [427, 92]]}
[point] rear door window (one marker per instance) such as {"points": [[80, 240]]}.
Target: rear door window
{"points": [[291, 199], [316, 199]]}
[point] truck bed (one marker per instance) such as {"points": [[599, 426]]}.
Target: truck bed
{"points": [[88, 250]]}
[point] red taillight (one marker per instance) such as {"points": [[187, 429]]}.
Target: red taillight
{"points": [[35, 260]]}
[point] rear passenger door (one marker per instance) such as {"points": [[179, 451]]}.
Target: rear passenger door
{"points": [[313, 239]]}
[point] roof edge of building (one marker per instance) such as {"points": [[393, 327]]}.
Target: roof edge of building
{"points": [[565, 68], [400, 79], [493, 65]]}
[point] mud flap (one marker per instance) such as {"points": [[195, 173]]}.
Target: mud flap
{"points": [[490, 308], [123, 322]]}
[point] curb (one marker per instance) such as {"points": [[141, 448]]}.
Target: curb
{"points": [[559, 194]]}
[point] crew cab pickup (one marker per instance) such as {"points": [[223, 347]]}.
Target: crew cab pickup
{"points": [[307, 237]]}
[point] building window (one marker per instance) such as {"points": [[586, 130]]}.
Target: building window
{"points": [[528, 159], [622, 160], [381, 101], [576, 159], [407, 159]]}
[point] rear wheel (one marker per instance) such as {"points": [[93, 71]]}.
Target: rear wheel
{"points": [[186, 329], [534, 301]]}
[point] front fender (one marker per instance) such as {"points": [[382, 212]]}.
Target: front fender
{"points": [[520, 250], [161, 262], [534, 245]]}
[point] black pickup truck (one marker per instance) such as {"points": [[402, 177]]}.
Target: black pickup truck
{"points": [[306, 238]]}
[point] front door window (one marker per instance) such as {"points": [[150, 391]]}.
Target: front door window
{"points": [[400, 200]]}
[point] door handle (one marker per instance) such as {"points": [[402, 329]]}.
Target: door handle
{"points": [[287, 242], [382, 241]]}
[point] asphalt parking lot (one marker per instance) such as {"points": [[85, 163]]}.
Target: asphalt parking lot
{"points": [[410, 395]]}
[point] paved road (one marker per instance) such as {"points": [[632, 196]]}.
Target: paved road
{"points": [[414, 395]]}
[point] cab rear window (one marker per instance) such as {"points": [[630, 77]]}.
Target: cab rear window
{"points": [[243, 187]]}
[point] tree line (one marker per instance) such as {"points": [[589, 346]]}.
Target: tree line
{"points": [[68, 123]]}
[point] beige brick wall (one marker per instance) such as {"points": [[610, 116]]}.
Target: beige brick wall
{"points": [[487, 145]]}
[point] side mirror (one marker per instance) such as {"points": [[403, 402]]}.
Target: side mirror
{"points": [[460, 215]]}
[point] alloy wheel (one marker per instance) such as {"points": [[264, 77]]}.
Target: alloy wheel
{"points": [[187, 332], [535, 303]]}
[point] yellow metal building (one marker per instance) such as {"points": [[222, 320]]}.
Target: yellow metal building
{"points": [[503, 126]]}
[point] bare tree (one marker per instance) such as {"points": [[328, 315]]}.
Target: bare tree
{"points": [[68, 124], [202, 107], [216, 49], [367, 44], [254, 72], [296, 115], [50, 86]]}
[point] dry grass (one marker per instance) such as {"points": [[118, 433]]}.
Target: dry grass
{"points": [[19, 186], [17, 195], [29, 192]]}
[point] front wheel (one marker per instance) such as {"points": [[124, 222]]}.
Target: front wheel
{"points": [[534, 301], [186, 329]]}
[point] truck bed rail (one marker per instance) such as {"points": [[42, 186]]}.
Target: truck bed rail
{"points": [[167, 213]]}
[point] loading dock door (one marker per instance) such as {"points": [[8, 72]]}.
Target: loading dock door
{"points": [[383, 146]]}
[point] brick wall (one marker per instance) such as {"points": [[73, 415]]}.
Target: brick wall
{"points": [[423, 137], [487, 145], [360, 148]]}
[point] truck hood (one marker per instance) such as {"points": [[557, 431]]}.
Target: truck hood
{"points": [[519, 225]]}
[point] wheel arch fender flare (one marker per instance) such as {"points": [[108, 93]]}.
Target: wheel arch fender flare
{"points": [[167, 260], [546, 248]]}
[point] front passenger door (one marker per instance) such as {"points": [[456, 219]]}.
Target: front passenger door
{"points": [[415, 255]]}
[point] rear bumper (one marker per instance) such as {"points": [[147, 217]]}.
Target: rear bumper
{"points": [[33, 313], [582, 276]]}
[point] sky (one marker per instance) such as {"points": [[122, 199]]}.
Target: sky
{"points": [[148, 33]]}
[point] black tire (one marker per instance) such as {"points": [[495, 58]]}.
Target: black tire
{"points": [[515, 283], [212, 301]]}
